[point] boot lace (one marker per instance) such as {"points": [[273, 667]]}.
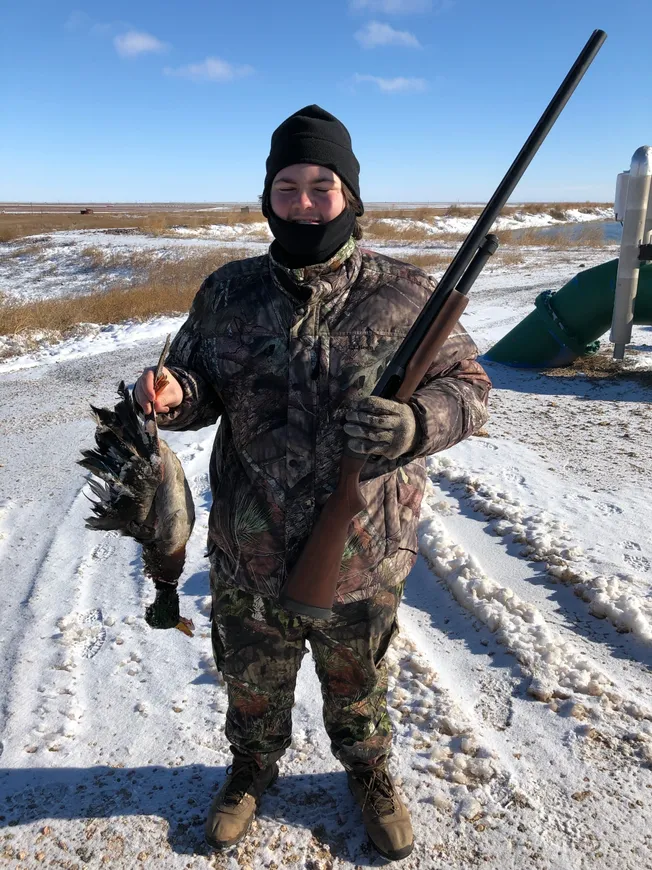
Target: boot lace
{"points": [[241, 775], [379, 790]]}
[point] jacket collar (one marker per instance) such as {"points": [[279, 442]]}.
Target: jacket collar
{"points": [[323, 279]]}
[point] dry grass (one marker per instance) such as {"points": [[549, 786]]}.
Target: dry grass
{"points": [[376, 229], [548, 207], [460, 211], [166, 287], [507, 258], [585, 236], [423, 213], [34, 248], [427, 262], [602, 365], [469, 211], [17, 226], [432, 262], [160, 223], [104, 259]]}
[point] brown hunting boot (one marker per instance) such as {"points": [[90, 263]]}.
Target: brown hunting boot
{"points": [[385, 817], [235, 805]]}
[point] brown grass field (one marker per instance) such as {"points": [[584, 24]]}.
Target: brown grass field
{"points": [[163, 285], [589, 235], [166, 287], [15, 225]]}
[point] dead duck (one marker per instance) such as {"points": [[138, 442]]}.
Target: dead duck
{"points": [[142, 492]]}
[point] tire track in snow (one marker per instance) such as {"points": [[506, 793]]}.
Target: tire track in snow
{"points": [[434, 736], [559, 672], [43, 710], [547, 540], [16, 621]]}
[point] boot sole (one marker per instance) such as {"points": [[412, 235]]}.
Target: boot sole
{"points": [[396, 855], [223, 845]]}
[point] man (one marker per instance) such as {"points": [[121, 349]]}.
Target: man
{"points": [[285, 349]]}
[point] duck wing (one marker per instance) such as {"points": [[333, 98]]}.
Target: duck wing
{"points": [[128, 464]]}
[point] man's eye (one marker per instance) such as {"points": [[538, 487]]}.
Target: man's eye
{"points": [[323, 189]]}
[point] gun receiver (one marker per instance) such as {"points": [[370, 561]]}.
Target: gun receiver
{"points": [[310, 588]]}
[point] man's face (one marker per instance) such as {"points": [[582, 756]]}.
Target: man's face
{"points": [[307, 194]]}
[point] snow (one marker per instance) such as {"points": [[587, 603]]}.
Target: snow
{"points": [[56, 265], [224, 233], [94, 340], [519, 685], [518, 221]]}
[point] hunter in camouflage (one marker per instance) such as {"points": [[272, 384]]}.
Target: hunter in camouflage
{"points": [[285, 350], [250, 631], [280, 372]]}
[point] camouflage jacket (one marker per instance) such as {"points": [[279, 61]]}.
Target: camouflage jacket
{"points": [[276, 353]]}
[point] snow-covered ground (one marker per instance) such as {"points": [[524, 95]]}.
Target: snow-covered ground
{"points": [[60, 264], [520, 686], [518, 221]]}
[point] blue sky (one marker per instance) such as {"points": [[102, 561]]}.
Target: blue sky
{"points": [[176, 101]]}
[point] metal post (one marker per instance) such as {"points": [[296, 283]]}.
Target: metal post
{"points": [[647, 232], [634, 235]]}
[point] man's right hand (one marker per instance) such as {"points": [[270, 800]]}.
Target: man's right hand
{"points": [[169, 397]]}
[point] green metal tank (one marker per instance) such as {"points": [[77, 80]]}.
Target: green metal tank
{"points": [[567, 323]]}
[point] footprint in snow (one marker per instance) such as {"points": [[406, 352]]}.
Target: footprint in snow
{"points": [[84, 631], [103, 551], [639, 563], [512, 474], [95, 641], [609, 509]]}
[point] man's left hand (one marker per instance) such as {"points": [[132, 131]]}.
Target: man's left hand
{"points": [[381, 426]]}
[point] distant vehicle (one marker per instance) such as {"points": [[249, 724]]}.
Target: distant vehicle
{"points": [[86, 211]]}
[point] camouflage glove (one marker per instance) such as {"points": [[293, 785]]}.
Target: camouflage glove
{"points": [[163, 612], [381, 426]]}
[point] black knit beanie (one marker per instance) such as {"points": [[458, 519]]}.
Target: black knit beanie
{"points": [[312, 135]]}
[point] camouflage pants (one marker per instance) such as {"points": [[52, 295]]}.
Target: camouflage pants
{"points": [[258, 648]]}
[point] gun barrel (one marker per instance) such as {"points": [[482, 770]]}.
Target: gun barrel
{"points": [[469, 246]]}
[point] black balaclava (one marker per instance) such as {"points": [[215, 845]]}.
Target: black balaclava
{"points": [[311, 135]]}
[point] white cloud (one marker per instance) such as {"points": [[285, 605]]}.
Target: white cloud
{"points": [[375, 34], [397, 85], [391, 7], [133, 43], [211, 70]]}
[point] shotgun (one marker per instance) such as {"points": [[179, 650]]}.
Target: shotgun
{"points": [[310, 587]]}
